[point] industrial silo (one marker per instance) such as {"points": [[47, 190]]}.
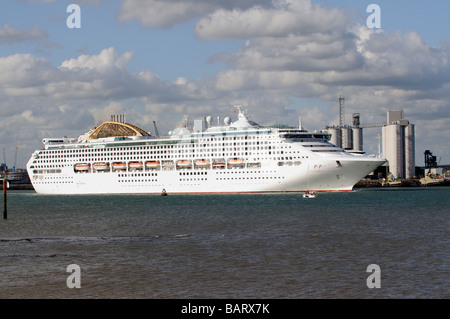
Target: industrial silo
{"points": [[398, 145], [347, 138], [357, 139], [335, 136], [393, 146], [410, 151]]}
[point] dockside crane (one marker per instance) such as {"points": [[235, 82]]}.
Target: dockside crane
{"points": [[15, 160]]}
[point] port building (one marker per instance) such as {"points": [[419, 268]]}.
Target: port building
{"points": [[399, 145], [398, 140]]}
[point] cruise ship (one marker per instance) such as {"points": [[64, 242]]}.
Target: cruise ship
{"points": [[238, 156]]}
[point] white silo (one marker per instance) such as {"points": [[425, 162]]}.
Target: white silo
{"points": [[399, 145], [357, 139], [410, 150], [347, 138], [335, 136], [393, 149]]}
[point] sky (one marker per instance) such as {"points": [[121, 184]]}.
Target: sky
{"points": [[158, 60]]}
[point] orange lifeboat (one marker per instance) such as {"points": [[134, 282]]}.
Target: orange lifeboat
{"points": [[135, 165], [119, 166], [219, 164], [101, 166], [236, 161], [151, 164], [184, 163], [202, 163], [82, 167]]}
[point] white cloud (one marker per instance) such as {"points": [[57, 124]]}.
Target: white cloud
{"points": [[9, 34], [106, 61], [80, 92], [23, 72], [162, 14], [294, 50], [166, 13], [103, 114], [284, 17]]}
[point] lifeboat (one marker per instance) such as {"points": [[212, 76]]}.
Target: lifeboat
{"points": [[236, 161], [151, 164], [101, 166], [82, 167], [135, 165], [219, 163], [202, 163], [184, 163], [119, 166]]}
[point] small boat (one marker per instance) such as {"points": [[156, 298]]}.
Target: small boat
{"points": [[163, 192], [309, 194]]}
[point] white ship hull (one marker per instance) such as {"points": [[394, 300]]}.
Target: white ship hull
{"points": [[238, 158], [270, 178]]}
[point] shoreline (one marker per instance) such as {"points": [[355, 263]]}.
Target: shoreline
{"points": [[18, 186], [414, 182]]}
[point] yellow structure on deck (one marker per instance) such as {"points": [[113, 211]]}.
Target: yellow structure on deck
{"points": [[116, 129]]}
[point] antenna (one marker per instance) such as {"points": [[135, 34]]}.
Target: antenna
{"points": [[15, 160], [342, 117], [341, 111], [156, 129]]}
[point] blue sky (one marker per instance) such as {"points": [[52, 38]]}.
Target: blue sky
{"points": [[159, 49], [155, 49], [428, 18], [158, 60]]}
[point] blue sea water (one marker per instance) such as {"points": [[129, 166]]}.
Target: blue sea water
{"points": [[277, 246]]}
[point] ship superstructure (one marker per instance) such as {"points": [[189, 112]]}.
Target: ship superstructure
{"points": [[236, 157]]}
